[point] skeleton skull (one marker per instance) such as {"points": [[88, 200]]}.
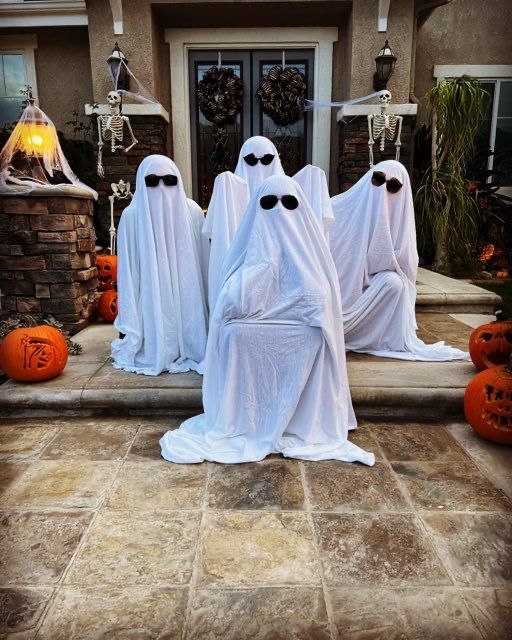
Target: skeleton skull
{"points": [[114, 98], [384, 97]]}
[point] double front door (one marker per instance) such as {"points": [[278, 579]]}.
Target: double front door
{"points": [[215, 149]]}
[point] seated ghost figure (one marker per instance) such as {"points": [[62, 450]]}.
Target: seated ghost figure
{"points": [[373, 243], [275, 377], [258, 160], [160, 281]]}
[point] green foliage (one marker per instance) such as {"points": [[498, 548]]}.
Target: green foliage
{"points": [[447, 214]]}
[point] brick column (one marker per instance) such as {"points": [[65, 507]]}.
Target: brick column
{"points": [[353, 145], [47, 261], [151, 133]]}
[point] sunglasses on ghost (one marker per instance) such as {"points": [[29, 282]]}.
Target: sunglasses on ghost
{"points": [[269, 202], [252, 160], [169, 180], [393, 185]]}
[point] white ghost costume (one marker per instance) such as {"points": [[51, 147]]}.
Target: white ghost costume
{"points": [[275, 376], [373, 243], [161, 293], [231, 194]]}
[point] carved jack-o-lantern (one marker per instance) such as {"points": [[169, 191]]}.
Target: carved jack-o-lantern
{"points": [[31, 354], [491, 344], [107, 305], [107, 271], [488, 404]]}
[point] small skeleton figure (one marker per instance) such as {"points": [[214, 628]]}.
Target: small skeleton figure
{"points": [[383, 127], [110, 129], [121, 191]]}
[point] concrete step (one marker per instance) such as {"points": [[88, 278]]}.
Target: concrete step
{"points": [[381, 388], [440, 294]]}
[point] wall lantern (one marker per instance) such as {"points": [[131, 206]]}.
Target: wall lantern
{"points": [[118, 67], [37, 133], [385, 64]]}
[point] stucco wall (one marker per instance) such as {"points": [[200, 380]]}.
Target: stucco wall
{"points": [[463, 32]]}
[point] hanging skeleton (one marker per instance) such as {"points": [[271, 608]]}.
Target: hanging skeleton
{"points": [[111, 129], [383, 126], [121, 191]]}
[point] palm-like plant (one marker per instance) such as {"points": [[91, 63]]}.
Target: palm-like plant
{"points": [[445, 210]]}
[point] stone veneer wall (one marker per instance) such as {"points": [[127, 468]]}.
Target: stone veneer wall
{"points": [[151, 133], [354, 159], [47, 259]]}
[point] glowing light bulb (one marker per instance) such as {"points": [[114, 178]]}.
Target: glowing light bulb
{"points": [[36, 140]]}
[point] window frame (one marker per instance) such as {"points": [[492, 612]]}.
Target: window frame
{"points": [[25, 45]]}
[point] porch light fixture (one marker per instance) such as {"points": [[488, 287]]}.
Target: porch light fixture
{"points": [[385, 64], [117, 64], [37, 133]]}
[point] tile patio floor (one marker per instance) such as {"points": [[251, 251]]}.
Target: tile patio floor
{"points": [[100, 538]]}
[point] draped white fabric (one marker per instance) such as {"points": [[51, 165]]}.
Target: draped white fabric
{"points": [[259, 146], [162, 307], [313, 183], [275, 373], [373, 243]]}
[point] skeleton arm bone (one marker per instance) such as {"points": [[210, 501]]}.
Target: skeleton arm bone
{"points": [[100, 170], [398, 142], [134, 139], [371, 141]]}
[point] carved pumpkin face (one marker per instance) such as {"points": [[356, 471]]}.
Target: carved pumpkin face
{"points": [[491, 344], [107, 271], [488, 404], [107, 305], [31, 354]]}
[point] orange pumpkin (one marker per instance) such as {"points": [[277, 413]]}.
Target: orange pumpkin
{"points": [[488, 404], [491, 344], [31, 354], [107, 271], [107, 305]]}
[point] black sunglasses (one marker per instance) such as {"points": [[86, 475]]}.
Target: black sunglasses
{"points": [[393, 185], [269, 202], [169, 180], [252, 160]]}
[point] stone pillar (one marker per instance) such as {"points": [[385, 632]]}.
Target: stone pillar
{"points": [[47, 261], [353, 159]]}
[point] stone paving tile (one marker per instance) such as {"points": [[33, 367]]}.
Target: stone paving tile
{"points": [[37, 547], [19, 441], [491, 609], [134, 548], [453, 486], [116, 614], [241, 548], [383, 548], [146, 444], [494, 460], [102, 442], [338, 486], [400, 614], [362, 437], [158, 485], [65, 484], [476, 548], [9, 472], [421, 442], [271, 484], [267, 613], [21, 609]]}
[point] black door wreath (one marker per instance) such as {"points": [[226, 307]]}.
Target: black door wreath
{"points": [[220, 95], [282, 93]]}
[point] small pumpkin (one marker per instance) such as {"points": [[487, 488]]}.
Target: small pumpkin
{"points": [[107, 305], [107, 271], [32, 354], [488, 404], [490, 344]]}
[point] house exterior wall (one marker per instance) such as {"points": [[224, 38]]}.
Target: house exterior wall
{"points": [[463, 32]]}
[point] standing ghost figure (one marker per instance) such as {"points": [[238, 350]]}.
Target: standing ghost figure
{"points": [[373, 243], [258, 160], [161, 292], [275, 376]]}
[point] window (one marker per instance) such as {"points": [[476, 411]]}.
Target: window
{"points": [[496, 131], [17, 69]]}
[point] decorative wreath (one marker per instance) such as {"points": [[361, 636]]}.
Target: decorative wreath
{"points": [[282, 93], [220, 95]]}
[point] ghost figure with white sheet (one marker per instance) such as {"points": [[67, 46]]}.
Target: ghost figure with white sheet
{"points": [[161, 288], [275, 377], [258, 160], [373, 243]]}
